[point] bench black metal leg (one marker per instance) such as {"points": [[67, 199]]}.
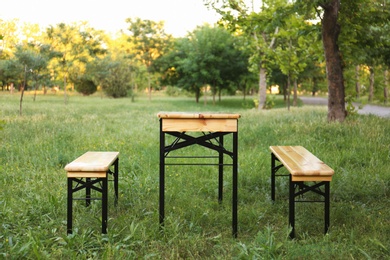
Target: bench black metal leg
{"points": [[70, 201], [220, 171], [235, 181], [104, 204], [116, 175], [273, 171], [327, 206], [87, 191], [162, 176], [292, 208]]}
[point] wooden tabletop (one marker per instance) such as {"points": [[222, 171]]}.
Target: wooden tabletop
{"points": [[189, 115], [92, 162]]}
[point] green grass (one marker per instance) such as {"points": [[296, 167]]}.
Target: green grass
{"points": [[35, 148]]}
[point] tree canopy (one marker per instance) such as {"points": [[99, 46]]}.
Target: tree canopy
{"points": [[339, 49]]}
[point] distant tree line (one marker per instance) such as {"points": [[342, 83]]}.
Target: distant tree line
{"points": [[251, 49]]}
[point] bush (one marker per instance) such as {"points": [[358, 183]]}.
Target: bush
{"points": [[116, 90], [86, 87]]}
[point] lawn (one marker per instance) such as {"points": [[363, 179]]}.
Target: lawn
{"points": [[36, 146]]}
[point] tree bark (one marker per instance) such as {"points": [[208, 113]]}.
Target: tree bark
{"points": [[386, 88], [372, 81], [334, 70], [149, 87], [262, 88], [65, 96], [357, 76], [295, 101], [22, 93], [288, 91]]}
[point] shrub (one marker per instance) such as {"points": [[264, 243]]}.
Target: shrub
{"points": [[86, 87]]}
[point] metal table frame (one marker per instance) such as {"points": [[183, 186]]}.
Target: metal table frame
{"points": [[210, 140]]}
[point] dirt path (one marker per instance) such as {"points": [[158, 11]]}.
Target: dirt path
{"points": [[365, 110]]}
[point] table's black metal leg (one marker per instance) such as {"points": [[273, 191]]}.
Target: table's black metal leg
{"points": [[327, 204], [87, 191], [104, 204], [235, 181], [292, 208], [116, 175], [70, 201], [162, 175], [273, 172], [220, 169]]}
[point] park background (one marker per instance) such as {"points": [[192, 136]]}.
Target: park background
{"points": [[68, 88]]}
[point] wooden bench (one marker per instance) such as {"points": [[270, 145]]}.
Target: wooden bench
{"points": [[94, 167], [303, 167]]}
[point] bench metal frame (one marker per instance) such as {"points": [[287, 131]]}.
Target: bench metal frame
{"points": [[91, 184], [297, 189]]}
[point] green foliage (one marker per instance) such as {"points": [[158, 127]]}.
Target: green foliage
{"points": [[208, 56], [173, 91], [351, 109], [269, 102], [36, 147], [113, 74], [85, 86]]}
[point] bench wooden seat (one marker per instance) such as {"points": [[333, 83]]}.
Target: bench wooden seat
{"points": [[96, 166], [303, 166]]}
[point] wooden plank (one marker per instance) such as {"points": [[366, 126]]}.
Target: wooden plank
{"points": [[87, 174], [302, 164], [311, 178], [92, 162], [199, 125], [188, 115]]}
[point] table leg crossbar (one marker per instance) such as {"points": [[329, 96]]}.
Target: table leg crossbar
{"points": [[205, 140]]}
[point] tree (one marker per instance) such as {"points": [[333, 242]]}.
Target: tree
{"points": [[259, 28], [9, 33], [28, 62], [85, 86], [113, 74], [75, 45], [150, 42], [209, 56]]}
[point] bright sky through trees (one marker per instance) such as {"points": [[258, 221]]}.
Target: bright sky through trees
{"points": [[180, 16]]}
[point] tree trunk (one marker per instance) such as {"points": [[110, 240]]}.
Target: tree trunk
{"points": [[65, 97], [22, 93], [386, 89], [314, 90], [357, 77], [262, 87], [372, 81], [334, 70], [205, 95], [285, 92], [295, 101], [288, 92], [149, 88]]}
